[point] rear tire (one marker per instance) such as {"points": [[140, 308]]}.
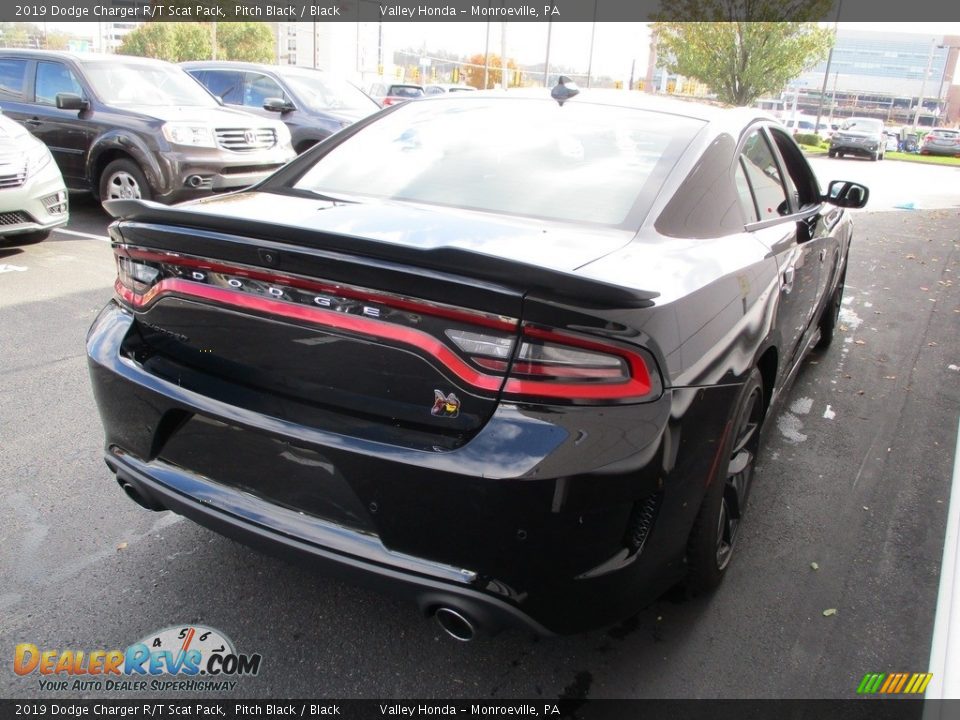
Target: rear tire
{"points": [[124, 180], [831, 315], [831, 153], [716, 528]]}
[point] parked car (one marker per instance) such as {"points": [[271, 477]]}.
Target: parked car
{"points": [[859, 136], [312, 103], [442, 88], [521, 387], [394, 94], [891, 141], [941, 141], [804, 125], [127, 127], [33, 199]]}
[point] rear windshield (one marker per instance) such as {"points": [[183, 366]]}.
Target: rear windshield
{"points": [[406, 91], [579, 163]]}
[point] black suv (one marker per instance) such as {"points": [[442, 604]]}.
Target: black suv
{"points": [[128, 127], [313, 104]]}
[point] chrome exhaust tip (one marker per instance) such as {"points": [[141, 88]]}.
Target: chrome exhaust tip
{"points": [[138, 497], [455, 624]]}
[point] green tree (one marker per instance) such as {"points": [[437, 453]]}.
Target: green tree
{"points": [[18, 34], [171, 41], [743, 59], [247, 41]]}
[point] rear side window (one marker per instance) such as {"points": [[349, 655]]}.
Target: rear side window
{"points": [[54, 78], [707, 205], [577, 163], [13, 77]]}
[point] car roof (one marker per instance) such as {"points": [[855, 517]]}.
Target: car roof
{"points": [[79, 57], [237, 65]]}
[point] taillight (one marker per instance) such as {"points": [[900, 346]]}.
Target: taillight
{"points": [[388, 101], [928, 138], [135, 278], [552, 365]]}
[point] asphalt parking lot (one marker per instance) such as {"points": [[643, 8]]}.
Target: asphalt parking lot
{"points": [[854, 479]]}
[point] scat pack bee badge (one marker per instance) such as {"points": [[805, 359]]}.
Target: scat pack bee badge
{"points": [[447, 406]]}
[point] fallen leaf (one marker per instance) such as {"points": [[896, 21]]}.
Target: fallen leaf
{"points": [[865, 507], [121, 546], [829, 611], [931, 344], [814, 566], [889, 377], [859, 342]]}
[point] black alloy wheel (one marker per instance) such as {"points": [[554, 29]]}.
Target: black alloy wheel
{"points": [[717, 525]]}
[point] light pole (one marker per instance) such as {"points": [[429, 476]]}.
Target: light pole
{"points": [[546, 61], [943, 75], [923, 85], [826, 73]]}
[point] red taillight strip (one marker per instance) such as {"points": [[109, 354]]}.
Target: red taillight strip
{"points": [[327, 318], [399, 303], [636, 387]]}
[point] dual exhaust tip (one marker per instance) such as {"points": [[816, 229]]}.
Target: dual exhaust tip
{"points": [[455, 624]]}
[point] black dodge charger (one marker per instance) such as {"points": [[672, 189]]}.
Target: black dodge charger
{"points": [[508, 355]]}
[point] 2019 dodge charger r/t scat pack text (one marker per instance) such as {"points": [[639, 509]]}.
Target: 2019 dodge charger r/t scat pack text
{"points": [[520, 376], [129, 127]]}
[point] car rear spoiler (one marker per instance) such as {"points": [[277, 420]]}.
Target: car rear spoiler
{"points": [[542, 282]]}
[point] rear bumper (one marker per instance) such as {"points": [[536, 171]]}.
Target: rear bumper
{"points": [[855, 148], [334, 550], [531, 523]]}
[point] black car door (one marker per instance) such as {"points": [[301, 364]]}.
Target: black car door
{"points": [[66, 132], [774, 220]]}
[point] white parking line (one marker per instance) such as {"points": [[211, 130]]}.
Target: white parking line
{"points": [[90, 236], [12, 268], [945, 647]]}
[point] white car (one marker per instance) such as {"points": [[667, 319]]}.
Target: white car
{"points": [[33, 198]]}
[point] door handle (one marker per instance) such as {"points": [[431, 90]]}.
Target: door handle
{"points": [[787, 280], [33, 123]]}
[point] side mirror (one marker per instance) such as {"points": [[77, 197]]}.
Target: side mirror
{"points": [[844, 193], [277, 105], [71, 101]]}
